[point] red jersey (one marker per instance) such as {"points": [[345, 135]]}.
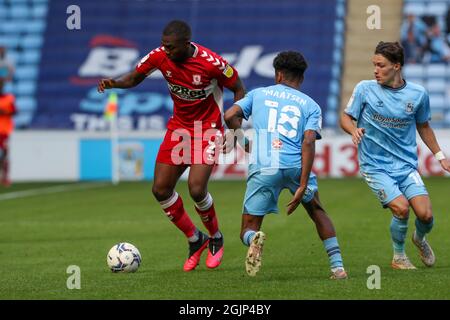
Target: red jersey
{"points": [[7, 110], [196, 85]]}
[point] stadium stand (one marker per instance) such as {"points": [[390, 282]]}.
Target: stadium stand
{"points": [[22, 30], [57, 68], [431, 68]]}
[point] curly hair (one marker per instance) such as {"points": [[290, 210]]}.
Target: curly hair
{"points": [[179, 28], [392, 51], [291, 63]]}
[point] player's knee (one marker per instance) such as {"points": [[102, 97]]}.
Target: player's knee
{"points": [[427, 216], [197, 192], [161, 193], [401, 210]]}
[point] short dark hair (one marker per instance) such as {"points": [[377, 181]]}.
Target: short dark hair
{"points": [[179, 28], [291, 63], [392, 51]]}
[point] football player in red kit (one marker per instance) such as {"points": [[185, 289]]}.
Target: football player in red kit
{"points": [[195, 76]]}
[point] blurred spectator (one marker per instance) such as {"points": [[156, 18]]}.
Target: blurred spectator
{"points": [[439, 50], [7, 110], [413, 35], [6, 67]]}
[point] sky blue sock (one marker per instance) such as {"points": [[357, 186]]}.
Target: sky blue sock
{"points": [[399, 228], [423, 228], [248, 237], [334, 252]]}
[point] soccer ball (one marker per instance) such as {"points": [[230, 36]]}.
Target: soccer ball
{"points": [[123, 257]]}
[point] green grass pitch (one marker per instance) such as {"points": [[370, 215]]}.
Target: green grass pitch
{"points": [[42, 235]]}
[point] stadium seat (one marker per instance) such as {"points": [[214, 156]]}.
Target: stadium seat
{"points": [[436, 8], [26, 72], [39, 11], [26, 103], [437, 101], [25, 88], [417, 9], [32, 41], [436, 85], [413, 71], [436, 70], [20, 11]]}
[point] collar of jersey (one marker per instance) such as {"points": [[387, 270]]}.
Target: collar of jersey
{"points": [[195, 51], [395, 89]]}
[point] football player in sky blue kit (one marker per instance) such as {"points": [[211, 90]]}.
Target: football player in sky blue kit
{"points": [[387, 112], [286, 123]]}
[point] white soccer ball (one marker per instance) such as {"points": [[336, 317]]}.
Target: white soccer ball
{"points": [[123, 257]]}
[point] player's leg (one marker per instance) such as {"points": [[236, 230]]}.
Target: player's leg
{"points": [[198, 188], [414, 189], [424, 223], [4, 164], [165, 179], [386, 189], [261, 197], [253, 238], [327, 234], [399, 228]]}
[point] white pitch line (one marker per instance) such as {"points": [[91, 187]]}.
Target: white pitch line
{"points": [[50, 190]]}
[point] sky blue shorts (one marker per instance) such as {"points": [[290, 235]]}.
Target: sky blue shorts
{"points": [[264, 188], [387, 187]]}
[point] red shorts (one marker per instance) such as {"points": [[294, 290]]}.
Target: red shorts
{"points": [[4, 141], [181, 148]]}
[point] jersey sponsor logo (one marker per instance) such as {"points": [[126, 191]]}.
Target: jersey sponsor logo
{"points": [[390, 122], [186, 93], [228, 72]]}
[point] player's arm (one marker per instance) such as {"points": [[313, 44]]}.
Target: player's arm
{"points": [[352, 112], [308, 152], [429, 138], [128, 80], [238, 89], [348, 125], [233, 118]]}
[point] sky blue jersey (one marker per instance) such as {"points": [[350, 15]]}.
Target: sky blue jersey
{"points": [[280, 116], [389, 117]]}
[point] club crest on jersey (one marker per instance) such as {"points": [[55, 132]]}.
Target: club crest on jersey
{"points": [[196, 79], [409, 107], [228, 72]]}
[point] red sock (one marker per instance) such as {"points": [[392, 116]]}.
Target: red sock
{"points": [[175, 212], [205, 209]]}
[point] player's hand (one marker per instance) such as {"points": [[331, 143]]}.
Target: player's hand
{"points": [[445, 164], [229, 142], [248, 146], [357, 135], [296, 200], [105, 84]]}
